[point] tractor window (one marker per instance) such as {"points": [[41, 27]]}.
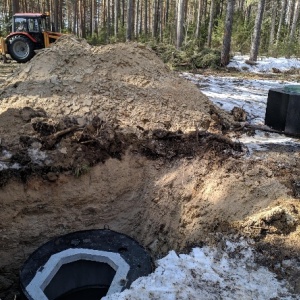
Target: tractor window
{"points": [[33, 25], [20, 24]]}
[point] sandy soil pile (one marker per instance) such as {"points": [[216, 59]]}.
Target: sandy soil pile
{"points": [[124, 83], [94, 137]]}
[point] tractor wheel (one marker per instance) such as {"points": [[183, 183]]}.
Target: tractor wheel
{"points": [[20, 48]]}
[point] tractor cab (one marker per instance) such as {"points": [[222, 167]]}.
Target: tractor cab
{"points": [[32, 25]]}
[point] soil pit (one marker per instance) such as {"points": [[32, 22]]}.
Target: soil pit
{"points": [[108, 136]]}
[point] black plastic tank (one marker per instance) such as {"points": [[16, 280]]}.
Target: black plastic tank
{"points": [[283, 109]]}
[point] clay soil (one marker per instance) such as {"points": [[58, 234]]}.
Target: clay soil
{"points": [[95, 137]]}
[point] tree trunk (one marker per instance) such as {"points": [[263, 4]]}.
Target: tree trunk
{"points": [[155, 18], [180, 20], [61, 16], [205, 11], [282, 16], [289, 13], [56, 15], [225, 54], [83, 22], [75, 18], [129, 20], [103, 19], [116, 24], [257, 31], [248, 14], [15, 6], [273, 23], [167, 12], [123, 13], [141, 19], [295, 20], [137, 18], [199, 19], [108, 21], [146, 18], [161, 21], [211, 23]]}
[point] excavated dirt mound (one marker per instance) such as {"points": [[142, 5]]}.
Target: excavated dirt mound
{"points": [[108, 136], [124, 84]]}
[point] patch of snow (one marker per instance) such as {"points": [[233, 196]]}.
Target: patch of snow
{"points": [[6, 154], [228, 92], [208, 273], [37, 156], [261, 140], [4, 161], [3, 166], [264, 64]]}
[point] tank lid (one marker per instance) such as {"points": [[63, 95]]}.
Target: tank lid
{"points": [[292, 88]]}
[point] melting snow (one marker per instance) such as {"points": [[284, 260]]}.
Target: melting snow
{"points": [[228, 92], [37, 156], [210, 274], [4, 161], [264, 64]]}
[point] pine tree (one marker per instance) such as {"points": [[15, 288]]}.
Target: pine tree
{"points": [[257, 31], [225, 54]]}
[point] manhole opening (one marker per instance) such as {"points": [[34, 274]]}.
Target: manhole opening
{"points": [[83, 265], [81, 279]]}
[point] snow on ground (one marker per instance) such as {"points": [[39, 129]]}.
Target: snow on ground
{"points": [[228, 92], [261, 139], [249, 94], [264, 64], [229, 272]]}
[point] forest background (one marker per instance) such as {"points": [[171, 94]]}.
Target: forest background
{"points": [[186, 33]]}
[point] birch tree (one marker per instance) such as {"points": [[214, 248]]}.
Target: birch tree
{"points": [[295, 20]]}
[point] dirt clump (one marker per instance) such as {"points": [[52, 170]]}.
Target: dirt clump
{"points": [[109, 136], [276, 220]]}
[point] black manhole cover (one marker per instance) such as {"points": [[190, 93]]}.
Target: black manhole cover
{"points": [[83, 265]]}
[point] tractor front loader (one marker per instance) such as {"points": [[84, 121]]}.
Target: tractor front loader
{"points": [[30, 32]]}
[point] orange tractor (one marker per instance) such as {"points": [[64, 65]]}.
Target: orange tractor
{"points": [[30, 32]]}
